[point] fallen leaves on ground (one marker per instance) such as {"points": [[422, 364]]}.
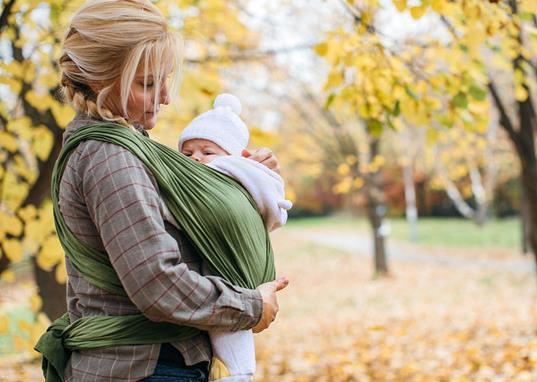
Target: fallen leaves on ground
{"points": [[426, 323]]}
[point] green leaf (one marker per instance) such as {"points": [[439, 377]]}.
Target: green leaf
{"points": [[478, 93], [411, 93], [446, 120], [329, 100], [374, 126], [397, 109], [390, 123], [460, 100]]}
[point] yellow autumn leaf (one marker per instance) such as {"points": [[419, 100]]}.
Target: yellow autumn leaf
{"points": [[14, 68], [7, 276], [36, 230], [24, 326], [50, 254], [343, 169], [400, 5], [438, 5], [49, 80], [22, 126], [24, 169], [417, 12], [61, 272], [358, 183], [529, 6], [40, 101], [28, 71], [8, 142], [343, 187], [321, 49], [11, 224], [21, 344], [335, 78], [351, 160], [13, 249], [43, 141], [379, 160], [63, 113], [262, 138], [36, 303], [14, 85], [521, 94], [4, 325], [27, 213]]}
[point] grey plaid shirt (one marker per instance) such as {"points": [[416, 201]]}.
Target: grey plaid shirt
{"points": [[111, 202]]}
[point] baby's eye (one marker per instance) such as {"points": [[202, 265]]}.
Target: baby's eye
{"points": [[208, 153], [187, 154]]}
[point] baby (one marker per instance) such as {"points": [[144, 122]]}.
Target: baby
{"points": [[217, 138]]}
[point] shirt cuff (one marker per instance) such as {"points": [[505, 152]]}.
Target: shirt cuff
{"points": [[252, 304]]}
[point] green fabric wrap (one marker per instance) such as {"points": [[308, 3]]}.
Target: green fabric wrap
{"points": [[216, 213]]}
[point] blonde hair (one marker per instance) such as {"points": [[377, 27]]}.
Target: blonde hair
{"points": [[106, 42]]}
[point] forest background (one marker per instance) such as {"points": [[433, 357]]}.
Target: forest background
{"points": [[405, 130]]}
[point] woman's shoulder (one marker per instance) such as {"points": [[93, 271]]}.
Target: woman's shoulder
{"points": [[93, 157]]}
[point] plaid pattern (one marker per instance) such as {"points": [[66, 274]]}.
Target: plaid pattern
{"points": [[111, 202]]}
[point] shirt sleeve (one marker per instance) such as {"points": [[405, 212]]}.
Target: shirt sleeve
{"points": [[123, 200]]}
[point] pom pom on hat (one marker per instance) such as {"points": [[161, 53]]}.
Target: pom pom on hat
{"points": [[221, 125], [230, 101]]}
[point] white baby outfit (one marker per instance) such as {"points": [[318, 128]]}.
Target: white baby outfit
{"points": [[234, 352]]}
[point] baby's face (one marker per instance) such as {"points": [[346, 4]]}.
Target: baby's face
{"points": [[202, 150]]}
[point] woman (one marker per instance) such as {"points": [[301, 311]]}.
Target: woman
{"points": [[117, 58]]}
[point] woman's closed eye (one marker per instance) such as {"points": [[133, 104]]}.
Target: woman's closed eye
{"points": [[147, 84]]}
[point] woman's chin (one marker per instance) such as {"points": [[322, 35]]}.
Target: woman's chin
{"points": [[150, 121]]}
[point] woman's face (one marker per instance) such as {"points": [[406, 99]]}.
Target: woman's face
{"points": [[140, 102]]}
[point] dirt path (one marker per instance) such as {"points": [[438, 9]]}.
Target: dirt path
{"points": [[360, 244]]}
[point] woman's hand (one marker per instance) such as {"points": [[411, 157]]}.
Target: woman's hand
{"points": [[265, 156], [270, 302]]}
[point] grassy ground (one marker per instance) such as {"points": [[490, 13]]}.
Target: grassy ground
{"points": [[427, 322], [452, 232]]}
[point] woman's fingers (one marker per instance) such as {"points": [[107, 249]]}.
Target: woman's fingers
{"points": [[265, 156], [281, 282], [270, 302]]}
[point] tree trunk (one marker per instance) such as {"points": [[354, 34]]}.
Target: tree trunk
{"points": [[529, 183], [52, 293], [523, 140], [376, 212], [524, 220], [528, 160], [410, 199]]}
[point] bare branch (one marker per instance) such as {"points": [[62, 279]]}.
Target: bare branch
{"points": [[505, 121], [249, 55], [6, 12]]}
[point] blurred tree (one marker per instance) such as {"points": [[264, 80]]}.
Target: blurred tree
{"points": [[434, 81]]}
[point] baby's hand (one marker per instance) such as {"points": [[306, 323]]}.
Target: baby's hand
{"points": [[265, 156]]}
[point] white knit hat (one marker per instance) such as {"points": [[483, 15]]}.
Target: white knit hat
{"points": [[221, 125]]}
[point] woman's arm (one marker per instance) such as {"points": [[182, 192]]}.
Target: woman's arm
{"points": [[124, 204]]}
